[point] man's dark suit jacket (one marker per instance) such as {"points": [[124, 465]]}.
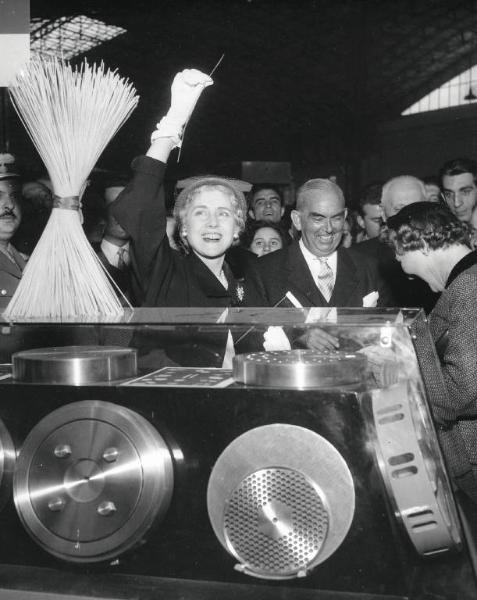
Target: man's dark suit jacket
{"points": [[405, 291], [10, 275], [287, 271]]}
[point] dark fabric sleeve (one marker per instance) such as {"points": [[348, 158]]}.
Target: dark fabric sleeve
{"points": [[140, 210], [386, 297]]}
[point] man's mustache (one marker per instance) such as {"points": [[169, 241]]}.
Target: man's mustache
{"points": [[8, 212]]}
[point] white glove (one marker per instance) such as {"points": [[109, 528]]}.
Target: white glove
{"points": [[186, 89]]}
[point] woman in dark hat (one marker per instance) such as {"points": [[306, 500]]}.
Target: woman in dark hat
{"points": [[433, 244]]}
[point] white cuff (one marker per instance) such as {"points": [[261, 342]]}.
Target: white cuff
{"points": [[168, 128]]}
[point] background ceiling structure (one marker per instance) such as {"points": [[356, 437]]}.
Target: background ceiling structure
{"points": [[306, 81]]}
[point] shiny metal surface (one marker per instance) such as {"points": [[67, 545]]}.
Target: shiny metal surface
{"points": [[299, 369], [7, 464], [412, 468], [281, 500], [74, 365], [91, 479]]}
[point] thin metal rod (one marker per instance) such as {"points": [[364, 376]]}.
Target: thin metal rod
{"points": [[216, 66], [183, 131]]}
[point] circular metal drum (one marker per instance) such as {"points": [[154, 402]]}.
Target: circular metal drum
{"points": [[7, 464], [299, 369], [412, 468], [74, 365], [91, 479], [281, 500]]}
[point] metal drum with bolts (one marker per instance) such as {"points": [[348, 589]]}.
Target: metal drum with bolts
{"points": [[92, 477]]}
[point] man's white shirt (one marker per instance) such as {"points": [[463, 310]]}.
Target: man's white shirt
{"points": [[110, 251]]}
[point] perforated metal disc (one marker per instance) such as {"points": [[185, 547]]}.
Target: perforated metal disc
{"points": [[281, 500], [91, 478], [276, 522], [299, 368]]}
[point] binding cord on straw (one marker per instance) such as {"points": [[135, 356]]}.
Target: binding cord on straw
{"points": [[70, 114], [67, 202]]}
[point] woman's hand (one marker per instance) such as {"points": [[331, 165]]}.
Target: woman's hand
{"points": [[186, 89], [318, 339]]}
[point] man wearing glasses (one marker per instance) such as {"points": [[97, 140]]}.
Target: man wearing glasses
{"points": [[459, 190]]}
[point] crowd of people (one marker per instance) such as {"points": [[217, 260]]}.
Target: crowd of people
{"points": [[409, 243]]}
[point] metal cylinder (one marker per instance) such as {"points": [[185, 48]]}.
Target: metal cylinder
{"points": [[74, 365], [299, 369], [7, 464]]}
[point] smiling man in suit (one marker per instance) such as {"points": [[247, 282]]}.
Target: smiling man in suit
{"points": [[316, 270]]}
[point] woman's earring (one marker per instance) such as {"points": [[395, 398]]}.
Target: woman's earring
{"points": [[236, 237], [184, 232]]}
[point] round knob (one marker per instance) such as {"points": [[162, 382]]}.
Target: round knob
{"points": [[110, 454], [56, 504], [106, 508], [62, 451]]}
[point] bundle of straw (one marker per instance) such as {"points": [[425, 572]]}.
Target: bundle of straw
{"points": [[70, 114]]}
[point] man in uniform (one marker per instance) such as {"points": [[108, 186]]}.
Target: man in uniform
{"points": [[12, 262]]}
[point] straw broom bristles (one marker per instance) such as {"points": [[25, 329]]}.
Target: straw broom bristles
{"points": [[70, 114]]}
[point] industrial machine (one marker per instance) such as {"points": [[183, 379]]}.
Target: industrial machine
{"points": [[128, 471]]}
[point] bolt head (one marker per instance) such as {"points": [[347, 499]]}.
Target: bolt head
{"points": [[62, 451]]}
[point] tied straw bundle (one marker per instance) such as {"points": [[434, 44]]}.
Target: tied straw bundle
{"points": [[71, 115]]}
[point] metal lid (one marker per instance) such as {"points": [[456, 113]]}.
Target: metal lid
{"points": [[74, 365], [299, 368]]}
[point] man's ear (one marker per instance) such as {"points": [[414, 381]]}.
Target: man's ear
{"points": [[251, 214], [282, 212], [360, 221], [296, 219]]}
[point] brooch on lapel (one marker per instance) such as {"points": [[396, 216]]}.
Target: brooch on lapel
{"points": [[239, 292]]}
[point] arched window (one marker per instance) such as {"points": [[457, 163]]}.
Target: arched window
{"points": [[453, 93]]}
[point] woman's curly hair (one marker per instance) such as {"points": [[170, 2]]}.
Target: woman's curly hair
{"points": [[425, 224]]}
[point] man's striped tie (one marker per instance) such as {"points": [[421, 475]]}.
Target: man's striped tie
{"points": [[325, 278]]}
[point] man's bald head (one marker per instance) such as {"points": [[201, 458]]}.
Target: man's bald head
{"points": [[401, 191]]}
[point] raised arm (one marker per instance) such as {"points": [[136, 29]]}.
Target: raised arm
{"points": [[140, 208]]}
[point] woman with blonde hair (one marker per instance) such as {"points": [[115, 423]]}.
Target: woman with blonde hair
{"points": [[210, 214]]}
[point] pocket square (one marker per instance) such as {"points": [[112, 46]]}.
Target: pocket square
{"points": [[371, 300]]}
